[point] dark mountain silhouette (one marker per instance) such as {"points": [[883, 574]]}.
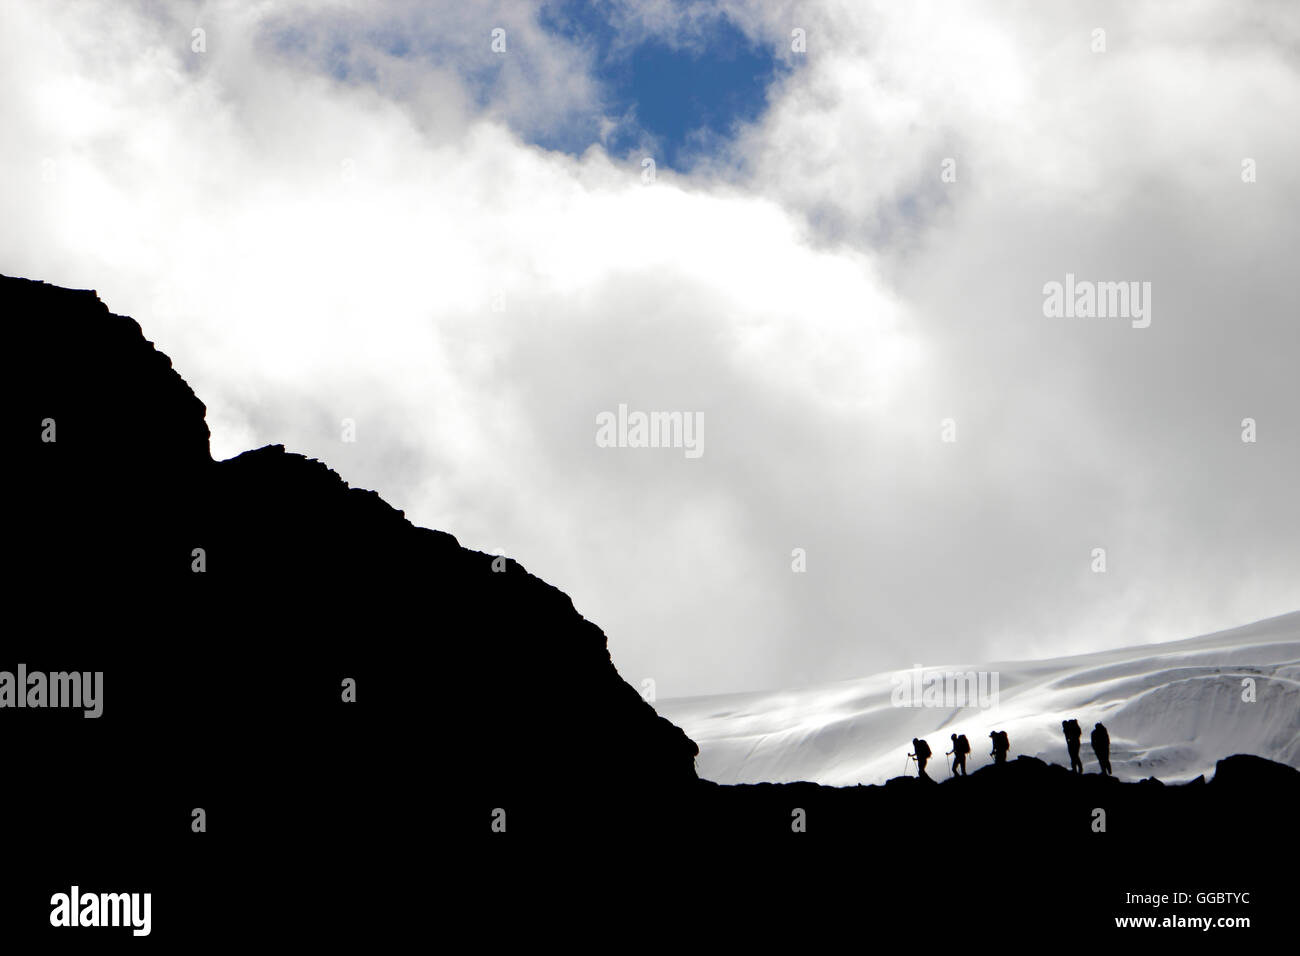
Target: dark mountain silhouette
{"points": [[477, 690], [128, 490]]}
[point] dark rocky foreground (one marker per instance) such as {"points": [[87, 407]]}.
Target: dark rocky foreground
{"points": [[476, 690]]}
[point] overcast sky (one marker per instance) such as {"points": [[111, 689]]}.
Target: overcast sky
{"points": [[336, 210]]}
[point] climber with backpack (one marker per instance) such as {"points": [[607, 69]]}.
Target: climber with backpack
{"points": [[960, 748], [1073, 737], [1101, 747], [1001, 744], [921, 751]]}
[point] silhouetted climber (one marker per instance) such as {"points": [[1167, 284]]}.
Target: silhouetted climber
{"points": [[960, 748], [1001, 744], [921, 751], [1073, 738], [1101, 747]]}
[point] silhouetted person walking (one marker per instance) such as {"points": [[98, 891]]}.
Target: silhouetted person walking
{"points": [[960, 748], [1073, 738], [1101, 747], [1001, 744], [921, 751]]}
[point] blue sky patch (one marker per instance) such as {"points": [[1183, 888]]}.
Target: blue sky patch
{"points": [[684, 97], [675, 98]]}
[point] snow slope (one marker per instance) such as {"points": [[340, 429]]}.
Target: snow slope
{"points": [[1172, 710]]}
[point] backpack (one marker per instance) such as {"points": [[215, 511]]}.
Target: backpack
{"points": [[963, 745], [922, 749], [1001, 741]]}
